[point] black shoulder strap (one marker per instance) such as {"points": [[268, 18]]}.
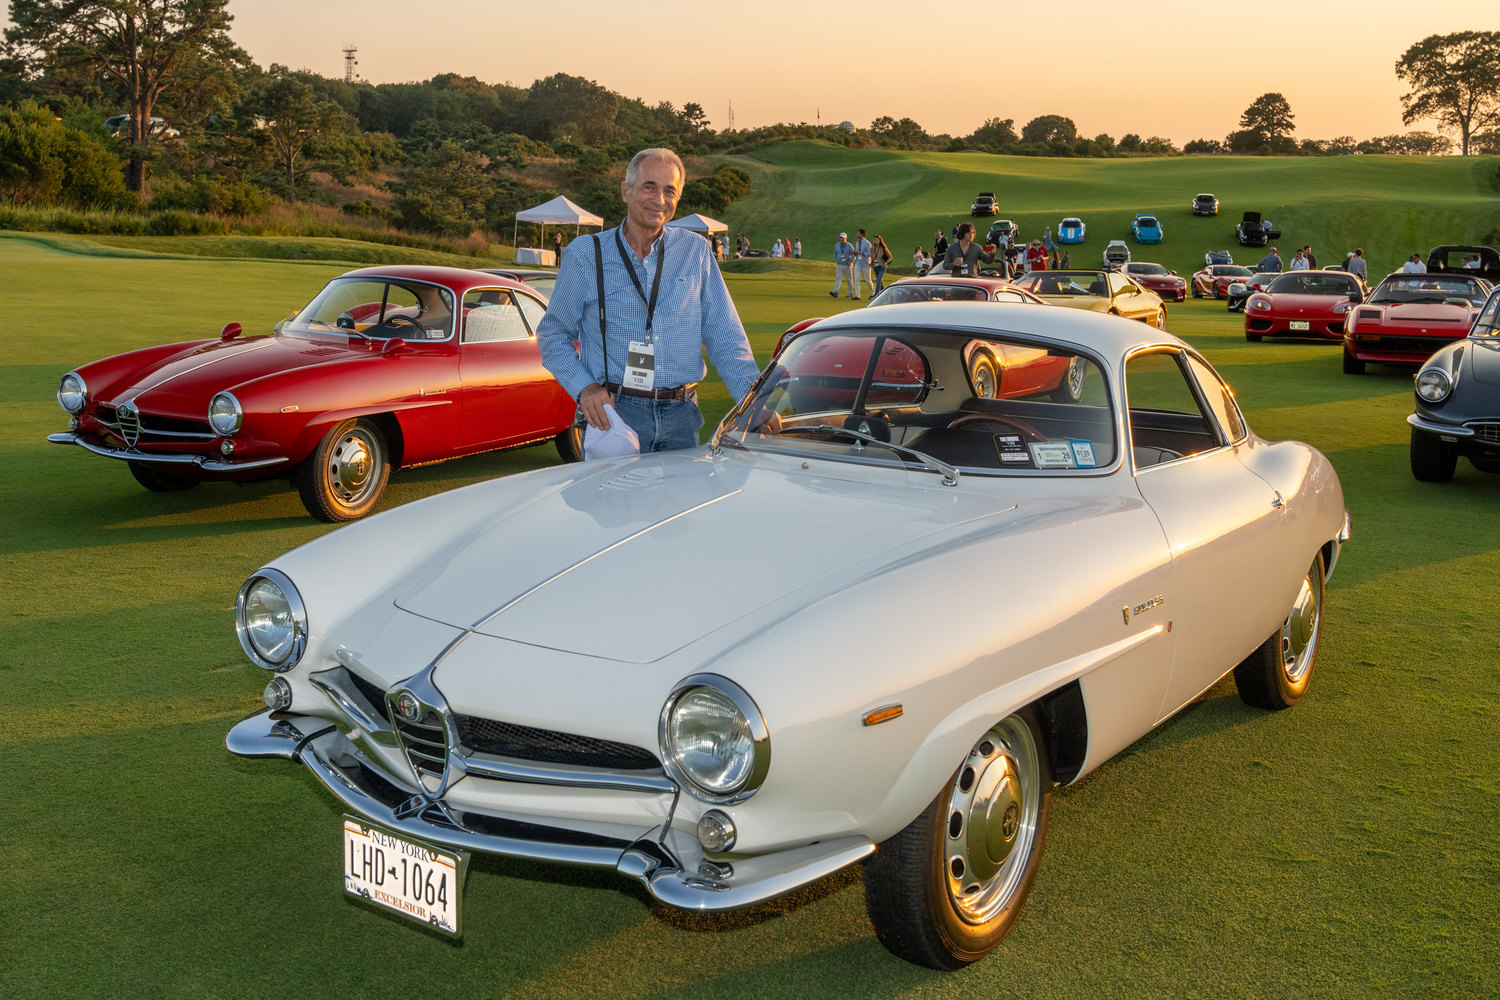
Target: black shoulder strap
{"points": [[603, 322]]}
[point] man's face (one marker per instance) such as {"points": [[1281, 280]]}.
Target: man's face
{"points": [[652, 200]]}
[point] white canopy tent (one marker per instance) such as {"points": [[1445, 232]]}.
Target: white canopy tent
{"points": [[700, 224], [558, 212]]}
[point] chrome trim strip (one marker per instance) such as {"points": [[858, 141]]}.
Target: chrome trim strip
{"points": [[329, 754], [1431, 428], [331, 682], [202, 461], [483, 765]]}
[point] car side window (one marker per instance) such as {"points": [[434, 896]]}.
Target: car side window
{"points": [[532, 309], [1220, 399], [491, 314], [1166, 420]]}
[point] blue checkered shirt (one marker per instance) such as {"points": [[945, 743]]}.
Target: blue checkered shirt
{"points": [[693, 311]]}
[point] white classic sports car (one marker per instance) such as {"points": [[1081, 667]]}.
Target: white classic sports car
{"points": [[877, 619]]}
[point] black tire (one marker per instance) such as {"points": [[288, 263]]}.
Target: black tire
{"points": [[570, 444], [1277, 674], [345, 476], [984, 376], [159, 482], [1070, 390], [1197, 294], [909, 882], [1431, 462], [1254, 338], [1217, 296], [1352, 365]]}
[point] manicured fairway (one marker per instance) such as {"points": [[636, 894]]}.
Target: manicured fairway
{"points": [[1345, 848]]}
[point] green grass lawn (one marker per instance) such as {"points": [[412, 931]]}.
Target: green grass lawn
{"points": [[1345, 848], [1392, 206]]}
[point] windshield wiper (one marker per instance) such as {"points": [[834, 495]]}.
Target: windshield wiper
{"points": [[950, 472]]}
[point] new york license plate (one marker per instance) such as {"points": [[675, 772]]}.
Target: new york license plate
{"points": [[1300, 324], [416, 880]]}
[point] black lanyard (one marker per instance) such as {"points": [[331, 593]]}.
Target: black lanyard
{"points": [[661, 256]]}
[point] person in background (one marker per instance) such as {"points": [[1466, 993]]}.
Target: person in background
{"points": [[918, 259], [1356, 264], [797, 248], [1050, 246], [880, 259], [1414, 265], [1299, 262], [776, 249], [1036, 257], [1065, 261], [1270, 263], [692, 312], [939, 244], [962, 258], [862, 265], [843, 264], [1312, 260], [557, 248]]}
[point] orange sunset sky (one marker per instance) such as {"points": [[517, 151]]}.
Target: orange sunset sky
{"points": [[1183, 70]]}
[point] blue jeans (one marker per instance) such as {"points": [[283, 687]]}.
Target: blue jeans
{"points": [[879, 278], [662, 424]]}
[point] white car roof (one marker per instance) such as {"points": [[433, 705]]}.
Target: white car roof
{"points": [[1110, 336]]}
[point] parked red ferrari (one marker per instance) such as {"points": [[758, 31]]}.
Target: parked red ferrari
{"points": [[1158, 279], [1303, 304], [1409, 317], [387, 368], [1215, 279]]}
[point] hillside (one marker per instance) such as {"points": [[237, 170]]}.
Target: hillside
{"points": [[1391, 206]]}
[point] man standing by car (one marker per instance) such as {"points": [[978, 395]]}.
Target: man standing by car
{"points": [[1414, 265], [863, 250], [664, 302], [843, 260], [1310, 257], [962, 259], [1356, 264], [1270, 263]]}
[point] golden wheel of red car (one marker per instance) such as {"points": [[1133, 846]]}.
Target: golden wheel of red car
{"points": [[984, 376], [346, 474]]}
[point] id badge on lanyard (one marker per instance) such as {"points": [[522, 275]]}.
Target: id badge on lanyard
{"points": [[640, 366]]}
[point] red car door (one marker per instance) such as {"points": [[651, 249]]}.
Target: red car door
{"points": [[508, 397]]}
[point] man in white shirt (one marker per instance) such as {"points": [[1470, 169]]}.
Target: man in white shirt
{"points": [[1299, 262], [1414, 265], [862, 250], [797, 250]]}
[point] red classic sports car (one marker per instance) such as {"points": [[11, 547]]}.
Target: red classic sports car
{"points": [[1303, 304], [388, 367], [1215, 279], [1409, 317], [1163, 282]]}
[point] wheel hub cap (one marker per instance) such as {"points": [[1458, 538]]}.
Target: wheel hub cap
{"points": [[991, 821], [1299, 632], [994, 817]]}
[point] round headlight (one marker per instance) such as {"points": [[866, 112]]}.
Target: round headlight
{"points": [[224, 414], [271, 621], [714, 739], [1433, 385], [72, 393]]}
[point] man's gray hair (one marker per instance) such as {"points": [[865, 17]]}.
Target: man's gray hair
{"points": [[665, 155]]}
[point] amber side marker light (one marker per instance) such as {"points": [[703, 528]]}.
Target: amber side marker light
{"points": [[880, 715]]}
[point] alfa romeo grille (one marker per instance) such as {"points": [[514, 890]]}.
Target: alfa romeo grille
{"points": [[505, 739], [1488, 433], [425, 743], [128, 420]]}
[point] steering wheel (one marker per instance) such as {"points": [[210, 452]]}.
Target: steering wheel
{"points": [[399, 322], [1027, 431]]}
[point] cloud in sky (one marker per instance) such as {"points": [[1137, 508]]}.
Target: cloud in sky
{"points": [[1174, 68]]}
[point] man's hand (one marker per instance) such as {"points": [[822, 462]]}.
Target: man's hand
{"points": [[592, 401]]}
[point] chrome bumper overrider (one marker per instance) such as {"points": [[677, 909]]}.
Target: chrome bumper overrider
{"points": [[1451, 430], [670, 865], [201, 461], [1343, 536]]}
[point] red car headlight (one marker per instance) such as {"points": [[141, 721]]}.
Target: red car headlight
{"points": [[1263, 304]]}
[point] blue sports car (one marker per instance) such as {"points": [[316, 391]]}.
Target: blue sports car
{"points": [[1146, 229], [1071, 231]]}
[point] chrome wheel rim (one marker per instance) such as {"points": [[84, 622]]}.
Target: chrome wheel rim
{"points": [[1075, 377], [991, 824], [984, 379], [353, 470], [1299, 633]]}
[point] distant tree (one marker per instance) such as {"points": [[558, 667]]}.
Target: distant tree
{"points": [[1455, 80], [694, 118], [43, 160], [1105, 142], [1343, 145], [1313, 147], [1485, 143], [1131, 143], [882, 125], [907, 132], [171, 55], [1158, 144], [1048, 127], [443, 190], [570, 105], [1205, 146], [1270, 115], [294, 121], [726, 185], [995, 132]]}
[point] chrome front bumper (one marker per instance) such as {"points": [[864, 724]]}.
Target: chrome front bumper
{"points": [[155, 458], [668, 863], [1450, 432]]}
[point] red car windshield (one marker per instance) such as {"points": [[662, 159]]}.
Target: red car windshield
{"points": [[1430, 288], [1314, 283], [377, 308], [989, 404], [1231, 271], [899, 294], [1149, 270]]}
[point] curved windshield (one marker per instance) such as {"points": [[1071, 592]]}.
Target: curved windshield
{"points": [[1150, 269], [1431, 289], [903, 292], [930, 398], [1231, 271], [1314, 283], [1065, 283], [377, 308], [1487, 323]]}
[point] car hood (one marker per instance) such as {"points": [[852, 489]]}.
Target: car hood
{"points": [[215, 367], [1484, 362], [641, 561]]}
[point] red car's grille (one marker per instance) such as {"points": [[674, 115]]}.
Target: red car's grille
{"points": [[134, 427]]}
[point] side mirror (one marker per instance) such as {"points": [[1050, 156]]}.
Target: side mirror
{"points": [[1171, 272], [392, 346], [1356, 296], [230, 331]]}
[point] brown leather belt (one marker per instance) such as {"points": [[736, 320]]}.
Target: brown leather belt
{"points": [[681, 392]]}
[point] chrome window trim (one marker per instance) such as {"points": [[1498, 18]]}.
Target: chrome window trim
{"points": [[389, 279], [465, 320], [1211, 421], [299, 616], [759, 732]]}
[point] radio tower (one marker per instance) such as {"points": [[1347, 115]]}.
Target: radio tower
{"points": [[349, 63], [731, 115]]}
